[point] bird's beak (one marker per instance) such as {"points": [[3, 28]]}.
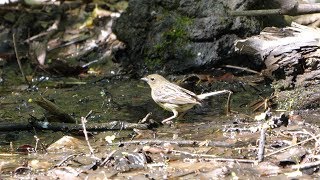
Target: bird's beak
{"points": [[144, 79]]}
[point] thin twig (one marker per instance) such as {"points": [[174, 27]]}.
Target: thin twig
{"points": [[83, 122], [234, 160], [228, 103], [214, 157], [301, 142], [37, 141], [145, 118], [312, 135], [244, 69], [64, 160], [18, 58], [53, 27], [108, 158], [89, 114]]}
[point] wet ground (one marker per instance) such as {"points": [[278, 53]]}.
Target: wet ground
{"points": [[187, 149]]}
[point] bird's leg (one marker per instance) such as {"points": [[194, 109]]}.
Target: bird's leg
{"points": [[168, 120], [181, 115]]}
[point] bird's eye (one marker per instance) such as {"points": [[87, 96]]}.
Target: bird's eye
{"points": [[152, 79]]}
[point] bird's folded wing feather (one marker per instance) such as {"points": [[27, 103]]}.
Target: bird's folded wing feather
{"points": [[174, 94]]}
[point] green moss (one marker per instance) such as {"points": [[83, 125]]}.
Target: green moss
{"points": [[173, 41], [153, 63], [178, 33]]}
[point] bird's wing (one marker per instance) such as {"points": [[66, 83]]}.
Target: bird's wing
{"points": [[174, 94]]}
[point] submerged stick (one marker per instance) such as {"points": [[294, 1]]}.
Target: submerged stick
{"points": [[18, 58], [113, 125], [56, 126], [55, 110]]}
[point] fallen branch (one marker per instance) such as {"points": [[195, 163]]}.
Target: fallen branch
{"points": [[14, 126], [113, 125], [183, 143], [55, 126], [306, 165]]}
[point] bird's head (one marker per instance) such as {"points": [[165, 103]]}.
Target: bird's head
{"points": [[154, 79]]}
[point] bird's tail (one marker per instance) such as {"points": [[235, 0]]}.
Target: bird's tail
{"points": [[205, 95]]}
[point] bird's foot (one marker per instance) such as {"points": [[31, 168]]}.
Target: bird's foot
{"points": [[168, 122]]}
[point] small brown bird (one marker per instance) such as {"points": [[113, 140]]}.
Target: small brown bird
{"points": [[174, 98]]}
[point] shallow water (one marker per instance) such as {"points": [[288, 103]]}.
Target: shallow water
{"points": [[129, 100]]}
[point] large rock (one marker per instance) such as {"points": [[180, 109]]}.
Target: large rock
{"points": [[179, 35]]}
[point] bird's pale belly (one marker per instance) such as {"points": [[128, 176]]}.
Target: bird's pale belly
{"points": [[179, 108]]}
